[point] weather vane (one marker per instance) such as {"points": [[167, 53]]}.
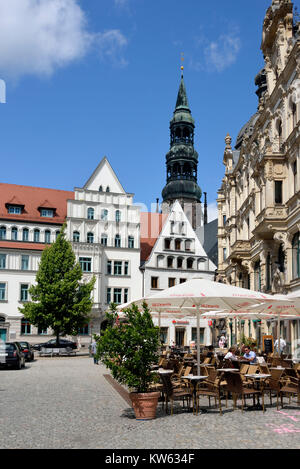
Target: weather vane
{"points": [[182, 60]]}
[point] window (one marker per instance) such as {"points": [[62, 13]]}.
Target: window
{"points": [[25, 326], [179, 263], [117, 241], [118, 216], [109, 268], [178, 244], [107, 189], [47, 237], [90, 214], [182, 280], [2, 232], [224, 254], [126, 268], [108, 296], [84, 330], [24, 292], [295, 171], [14, 233], [257, 276], [76, 236], [47, 213], [118, 296], [42, 330], [167, 244], [85, 264], [294, 115], [164, 335], [104, 240], [36, 236], [14, 209], [126, 297], [278, 192], [117, 268], [25, 235], [188, 245], [24, 262], [296, 256], [2, 291], [101, 189], [90, 238], [190, 263], [2, 261], [170, 262], [154, 283], [172, 227], [224, 220], [172, 282], [104, 215], [194, 334], [131, 242], [57, 233], [268, 272]]}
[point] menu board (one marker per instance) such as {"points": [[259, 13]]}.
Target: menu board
{"points": [[268, 344]]}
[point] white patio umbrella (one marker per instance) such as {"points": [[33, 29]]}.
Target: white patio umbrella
{"points": [[198, 295]]}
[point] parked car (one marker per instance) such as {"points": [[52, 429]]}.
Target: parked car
{"points": [[63, 343], [11, 354], [27, 350]]}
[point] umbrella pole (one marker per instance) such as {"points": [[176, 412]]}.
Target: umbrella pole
{"points": [[198, 341], [160, 347], [278, 335]]}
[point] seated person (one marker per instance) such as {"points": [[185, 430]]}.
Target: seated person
{"points": [[210, 353], [250, 356], [231, 355]]}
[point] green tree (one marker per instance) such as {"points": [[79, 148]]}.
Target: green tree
{"points": [[60, 299], [129, 347]]}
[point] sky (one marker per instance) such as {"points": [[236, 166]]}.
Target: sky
{"points": [[92, 78]]}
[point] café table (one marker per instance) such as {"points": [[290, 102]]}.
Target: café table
{"points": [[259, 379], [229, 370], [194, 381]]}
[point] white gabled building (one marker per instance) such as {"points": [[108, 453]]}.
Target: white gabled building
{"points": [[171, 253]]}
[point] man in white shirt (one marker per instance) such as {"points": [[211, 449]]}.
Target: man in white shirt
{"points": [[281, 346]]}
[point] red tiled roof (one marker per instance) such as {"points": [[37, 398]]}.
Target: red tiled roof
{"points": [[32, 198], [151, 226], [22, 246]]}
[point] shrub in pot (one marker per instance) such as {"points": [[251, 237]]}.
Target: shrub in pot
{"points": [[129, 348]]}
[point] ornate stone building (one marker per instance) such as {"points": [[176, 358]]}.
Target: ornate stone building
{"points": [[259, 200]]}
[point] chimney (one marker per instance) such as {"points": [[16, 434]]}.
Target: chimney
{"points": [[157, 205], [205, 208]]}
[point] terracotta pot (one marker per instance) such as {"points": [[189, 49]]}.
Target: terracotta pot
{"points": [[144, 404]]}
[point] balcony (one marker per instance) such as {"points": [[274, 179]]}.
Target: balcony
{"points": [[270, 220], [240, 249]]}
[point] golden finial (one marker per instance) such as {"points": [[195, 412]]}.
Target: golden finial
{"points": [[182, 60]]}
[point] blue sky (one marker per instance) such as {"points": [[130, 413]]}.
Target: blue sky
{"points": [[93, 78]]}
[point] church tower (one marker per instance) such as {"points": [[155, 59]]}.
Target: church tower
{"points": [[182, 163]]}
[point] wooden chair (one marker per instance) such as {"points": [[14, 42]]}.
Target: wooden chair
{"points": [[274, 383], [236, 387], [206, 361], [264, 369], [253, 369], [211, 388], [292, 387], [172, 394]]}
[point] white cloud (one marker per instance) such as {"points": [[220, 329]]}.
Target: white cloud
{"points": [[223, 52], [212, 211], [39, 36], [111, 43]]}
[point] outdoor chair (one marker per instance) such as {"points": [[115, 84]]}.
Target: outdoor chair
{"points": [[253, 369], [264, 369], [292, 387], [212, 388], [172, 394], [236, 387], [207, 360], [274, 383]]}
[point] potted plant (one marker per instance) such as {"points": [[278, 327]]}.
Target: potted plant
{"points": [[129, 348]]}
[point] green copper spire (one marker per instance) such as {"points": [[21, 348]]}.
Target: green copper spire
{"points": [[182, 100]]}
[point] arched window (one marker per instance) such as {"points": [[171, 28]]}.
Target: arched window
{"points": [[25, 234], [160, 261], [101, 189], [190, 263], [14, 233], [90, 213], [107, 189], [296, 256], [76, 236], [2, 232], [177, 244], [57, 233], [118, 216], [294, 114], [104, 215], [131, 242], [104, 239], [47, 237], [2, 319], [90, 238], [188, 245], [170, 261], [179, 263], [36, 236], [117, 241]]}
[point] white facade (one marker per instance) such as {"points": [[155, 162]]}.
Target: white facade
{"points": [[177, 256]]}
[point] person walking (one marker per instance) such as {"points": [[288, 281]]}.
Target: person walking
{"points": [[94, 351]]}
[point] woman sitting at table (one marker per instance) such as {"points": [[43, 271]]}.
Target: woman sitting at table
{"points": [[231, 355]]}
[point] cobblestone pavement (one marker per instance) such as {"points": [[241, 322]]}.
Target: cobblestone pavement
{"points": [[67, 403]]}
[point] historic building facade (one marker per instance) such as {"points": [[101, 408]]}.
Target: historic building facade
{"points": [[171, 253], [259, 200]]}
